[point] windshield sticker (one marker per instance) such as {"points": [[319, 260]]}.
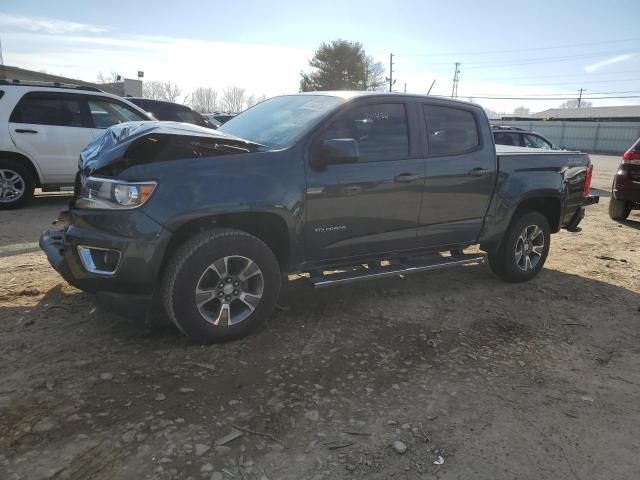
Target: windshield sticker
{"points": [[377, 115]]}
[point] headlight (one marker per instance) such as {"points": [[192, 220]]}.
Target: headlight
{"points": [[108, 194]]}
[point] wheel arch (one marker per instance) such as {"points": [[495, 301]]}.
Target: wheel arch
{"points": [[269, 227], [547, 204], [25, 161]]}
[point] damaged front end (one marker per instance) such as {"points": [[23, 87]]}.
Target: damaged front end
{"points": [[108, 244]]}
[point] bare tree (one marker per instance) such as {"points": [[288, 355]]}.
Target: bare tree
{"points": [[109, 78], [250, 101], [161, 90], [204, 100], [573, 103], [374, 75], [521, 111], [233, 99]]}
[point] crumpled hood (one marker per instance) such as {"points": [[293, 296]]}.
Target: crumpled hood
{"points": [[111, 147]]}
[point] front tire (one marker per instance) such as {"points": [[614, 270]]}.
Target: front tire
{"points": [[619, 209], [221, 285], [16, 185], [523, 249]]}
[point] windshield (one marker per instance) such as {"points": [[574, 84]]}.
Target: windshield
{"points": [[279, 121]]}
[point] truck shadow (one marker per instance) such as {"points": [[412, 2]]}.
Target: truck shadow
{"points": [[457, 299]]}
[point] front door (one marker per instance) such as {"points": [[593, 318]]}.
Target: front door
{"points": [[370, 206], [460, 174], [52, 129]]}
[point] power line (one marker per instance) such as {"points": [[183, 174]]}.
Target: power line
{"points": [[546, 98], [577, 82], [533, 61], [566, 75], [569, 93], [523, 49]]}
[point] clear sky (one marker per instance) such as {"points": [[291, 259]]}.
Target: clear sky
{"points": [[520, 49]]}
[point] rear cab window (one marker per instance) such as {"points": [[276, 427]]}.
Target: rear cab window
{"points": [[450, 130], [49, 108]]}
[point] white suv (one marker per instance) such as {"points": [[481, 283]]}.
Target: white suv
{"points": [[43, 129]]}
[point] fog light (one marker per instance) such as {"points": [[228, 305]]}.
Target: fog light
{"points": [[102, 261]]}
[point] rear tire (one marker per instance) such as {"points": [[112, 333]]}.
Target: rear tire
{"points": [[16, 185], [221, 285], [619, 209], [523, 249]]}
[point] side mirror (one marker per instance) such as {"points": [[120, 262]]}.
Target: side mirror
{"points": [[339, 150]]}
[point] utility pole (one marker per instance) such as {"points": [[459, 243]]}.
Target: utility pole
{"points": [[1, 59], [456, 79], [391, 72], [405, 87], [580, 98], [432, 84]]}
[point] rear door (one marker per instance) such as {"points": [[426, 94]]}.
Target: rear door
{"points": [[52, 129], [370, 206], [460, 173]]}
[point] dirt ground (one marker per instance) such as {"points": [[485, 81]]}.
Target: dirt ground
{"points": [[477, 378]]}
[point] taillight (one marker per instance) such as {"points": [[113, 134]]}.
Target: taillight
{"points": [[587, 181], [631, 156]]}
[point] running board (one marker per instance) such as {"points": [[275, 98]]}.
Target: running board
{"points": [[362, 273]]}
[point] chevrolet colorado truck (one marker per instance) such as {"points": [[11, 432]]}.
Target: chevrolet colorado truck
{"points": [[342, 186]]}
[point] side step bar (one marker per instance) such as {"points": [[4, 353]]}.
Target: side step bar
{"points": [[362, 273]]}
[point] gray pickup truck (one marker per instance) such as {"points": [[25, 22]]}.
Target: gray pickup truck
{"points": [[343, 186]]}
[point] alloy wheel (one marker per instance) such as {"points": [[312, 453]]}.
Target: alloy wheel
{"points": [[12, 185], [229, 290], [529, 248]]}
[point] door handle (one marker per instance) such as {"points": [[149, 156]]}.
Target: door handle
{"points": [[478, 172], [25, 130], [405, 178]]}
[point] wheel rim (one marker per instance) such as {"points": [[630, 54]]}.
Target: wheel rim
{"points": [[529, 248], [229, 290], [12, 185]]}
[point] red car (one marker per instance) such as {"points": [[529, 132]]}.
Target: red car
{"points": [[625, 194]]}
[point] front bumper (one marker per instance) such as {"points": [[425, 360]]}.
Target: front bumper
{"points": [[141, 242]]}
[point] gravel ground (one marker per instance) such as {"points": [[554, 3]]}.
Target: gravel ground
{"points": [[447, 375]]}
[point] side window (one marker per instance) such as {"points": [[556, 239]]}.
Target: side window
{"points": [[535, 141], [48, 109], [105, 113], [506, 138], [450, 131], [380, 129]]}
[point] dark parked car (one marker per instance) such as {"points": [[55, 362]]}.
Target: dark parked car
{"points": [[518, 137], [170, 112], [625, 193], [206, 223]]}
